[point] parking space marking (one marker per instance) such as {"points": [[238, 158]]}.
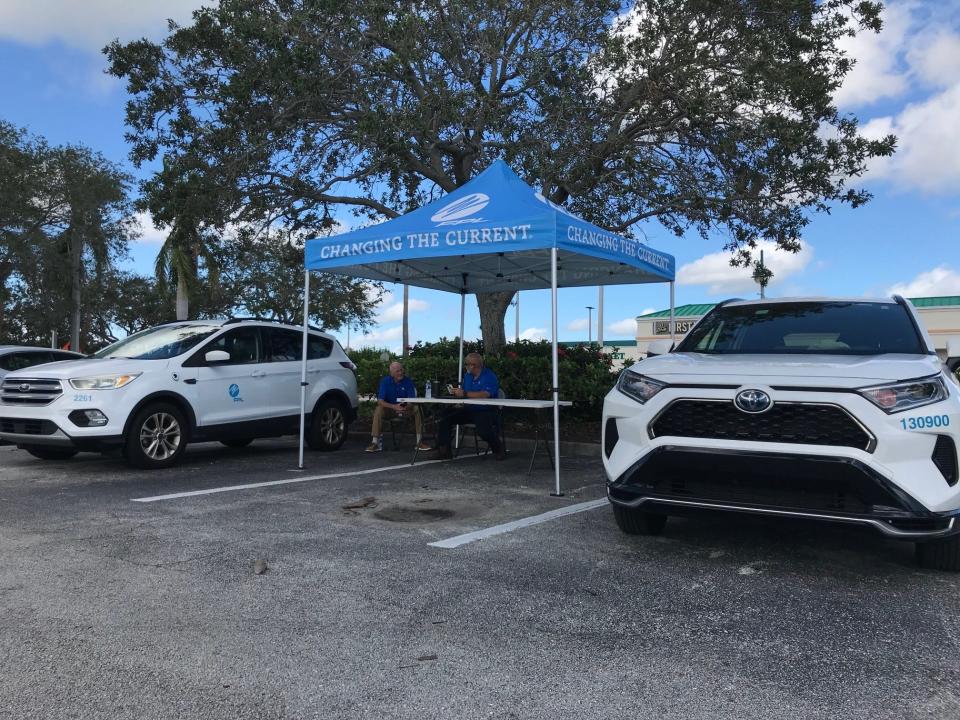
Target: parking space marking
{"points": [[517, 524], [288, 481]]}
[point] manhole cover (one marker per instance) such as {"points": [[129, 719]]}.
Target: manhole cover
{"points": [[413, 515]]}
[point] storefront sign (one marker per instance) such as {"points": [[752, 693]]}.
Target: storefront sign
{"points": [[663, 328]]}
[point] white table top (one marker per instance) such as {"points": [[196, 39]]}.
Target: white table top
{"points": [[496, 402]]}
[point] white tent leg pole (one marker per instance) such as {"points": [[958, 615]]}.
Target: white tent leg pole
{"points": [[600, 319], [303, 362], [556, 374], [463, 307], [673, 324]]}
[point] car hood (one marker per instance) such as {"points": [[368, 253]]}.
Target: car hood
{"points": [[794, 370], [66, 369]]}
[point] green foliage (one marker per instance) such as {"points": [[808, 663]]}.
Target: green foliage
{"points": [[709, 117], [264, 278], [65, 222], [524, 370]]}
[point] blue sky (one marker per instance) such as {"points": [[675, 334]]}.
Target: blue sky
{"points": [[907, 81]]}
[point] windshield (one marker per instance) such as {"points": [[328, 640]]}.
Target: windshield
{"points": [[806, 328], [159, 343]]}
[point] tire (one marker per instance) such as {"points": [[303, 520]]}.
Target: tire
{"points": [[328, 429], [638, 522], [50, 453], [236, 442], [941, 554], [157, 437]]}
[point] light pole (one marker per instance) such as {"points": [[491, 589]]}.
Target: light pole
{"points": [[516, 304], [589, 325]]}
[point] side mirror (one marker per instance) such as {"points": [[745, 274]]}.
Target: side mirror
{"points": [[953, 353], [217, 356], [659, 347]]}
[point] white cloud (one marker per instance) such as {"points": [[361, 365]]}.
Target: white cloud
{"points": [[149, 235], [715, 271], [939, 281], [928, 155], [877, 73], [934, 57], [91, 24], [378, 338], [534, 334], [394, 311], [627, 326], [578, 324]]}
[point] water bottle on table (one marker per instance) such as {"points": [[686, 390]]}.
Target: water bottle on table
{"points": [[428, 390]]}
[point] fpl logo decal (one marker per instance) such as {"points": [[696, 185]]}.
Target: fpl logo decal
{"points": [[459, 211], [235, 393]]}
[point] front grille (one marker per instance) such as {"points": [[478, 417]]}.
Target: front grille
{"points": [[945, 458], [27, 427], [29, 391], [804, 423], [785, 482]]}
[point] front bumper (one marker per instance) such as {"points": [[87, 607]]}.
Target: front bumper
{"points": [[822, 487], [22, 431]]}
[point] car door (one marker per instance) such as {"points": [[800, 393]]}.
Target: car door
{"points": [[234, 390], [284, 353]]}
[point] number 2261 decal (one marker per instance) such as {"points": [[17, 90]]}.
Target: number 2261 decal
{"points": [[925, 421]]}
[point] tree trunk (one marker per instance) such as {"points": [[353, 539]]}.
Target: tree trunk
{"points": [[406, 319], [183, 298], [493, 310], [76, 278]]}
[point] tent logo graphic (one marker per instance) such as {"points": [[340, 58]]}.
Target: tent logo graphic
{"points": [[459, 209]]}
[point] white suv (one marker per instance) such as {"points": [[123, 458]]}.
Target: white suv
{"points": [[827, 409], [153, 392]]}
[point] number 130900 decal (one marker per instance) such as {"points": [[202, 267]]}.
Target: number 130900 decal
{"points": [[925, 421]]}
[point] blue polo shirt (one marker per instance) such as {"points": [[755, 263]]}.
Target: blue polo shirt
{"points": [[487, 380], [390, 390]]}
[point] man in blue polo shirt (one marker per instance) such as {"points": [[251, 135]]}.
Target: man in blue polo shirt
{"points": [[393, 389], [479, 382]]}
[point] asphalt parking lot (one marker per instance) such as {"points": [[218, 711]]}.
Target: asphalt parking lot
{"points": [[116, 607]]}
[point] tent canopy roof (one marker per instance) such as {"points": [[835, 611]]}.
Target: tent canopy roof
{"points": [[495, 233]]}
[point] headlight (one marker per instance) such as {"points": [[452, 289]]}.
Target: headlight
{"points": [[639, 387], [103, 382], [906, 395]]}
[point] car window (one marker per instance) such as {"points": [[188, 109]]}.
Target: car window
{"points": [[241, 344], [24, 359], [319, 347], [832, 328], [159, 343], [283, 345], [63, 356]]}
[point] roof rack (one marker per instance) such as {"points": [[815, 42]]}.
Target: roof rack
{"points": [[237, 319]]}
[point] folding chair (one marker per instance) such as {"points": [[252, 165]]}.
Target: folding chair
{"points": [[501, 395]]}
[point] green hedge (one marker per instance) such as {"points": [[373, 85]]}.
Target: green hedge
{"points": [[523, 368]]}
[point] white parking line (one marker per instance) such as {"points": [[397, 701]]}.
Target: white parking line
{"points": [[289, 481], [517, 524]]}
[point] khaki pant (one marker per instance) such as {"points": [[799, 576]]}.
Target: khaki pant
{"points": [[381, 412]]}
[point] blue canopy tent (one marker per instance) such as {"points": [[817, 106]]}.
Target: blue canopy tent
{"points": [[493, 234]]}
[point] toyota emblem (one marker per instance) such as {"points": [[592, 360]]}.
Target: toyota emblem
{"points": [[753, 401], [24, 387]]}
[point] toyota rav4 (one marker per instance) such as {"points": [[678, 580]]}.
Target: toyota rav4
{"points": [[835, 410], [155, 391]]}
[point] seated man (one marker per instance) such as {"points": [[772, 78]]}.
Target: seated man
{"points": [[393, 389], [478, 382]]}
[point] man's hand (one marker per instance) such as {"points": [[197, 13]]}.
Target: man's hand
{"points": [[458, 392]]}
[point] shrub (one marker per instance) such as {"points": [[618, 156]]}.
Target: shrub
{"points": [[524, 371]]}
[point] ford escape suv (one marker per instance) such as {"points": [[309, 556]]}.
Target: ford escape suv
{"points": [[153, 392], [828, 409]]}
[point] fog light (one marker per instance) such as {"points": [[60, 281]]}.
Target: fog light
{"points": [[88, 418]]}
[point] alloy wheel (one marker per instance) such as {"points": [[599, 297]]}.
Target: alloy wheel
{"points": [[160, 436]]}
